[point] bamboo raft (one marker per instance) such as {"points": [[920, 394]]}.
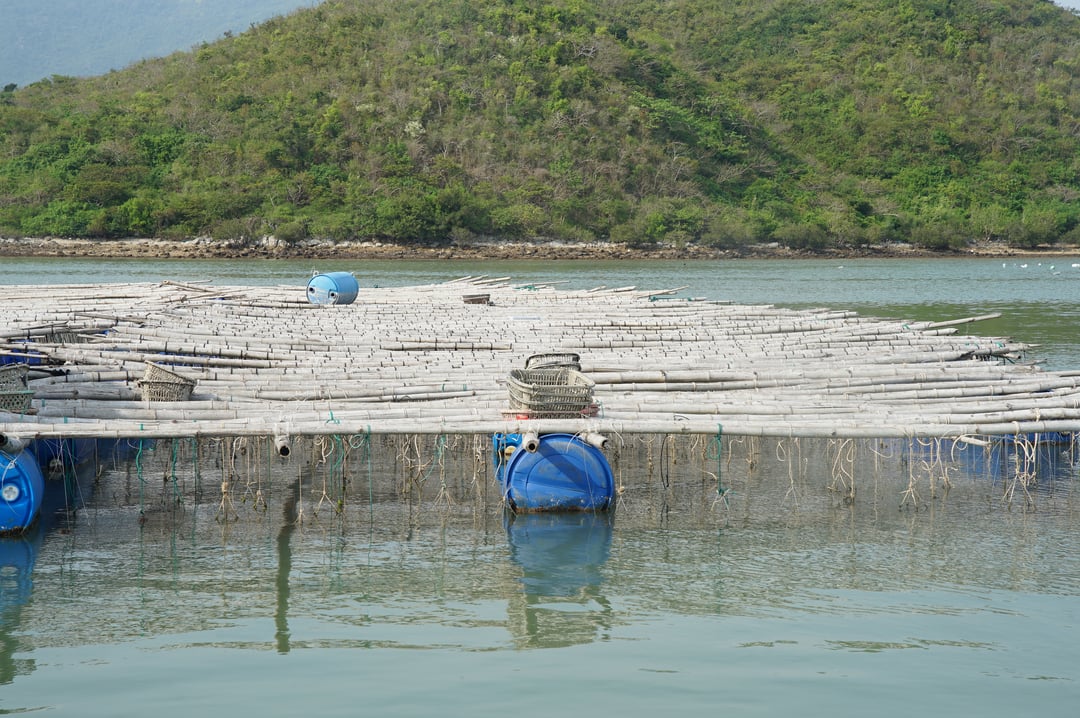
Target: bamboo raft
{"points": [[432, 360]]}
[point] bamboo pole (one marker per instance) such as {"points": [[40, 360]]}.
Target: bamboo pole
{"points": [[419, 356]]}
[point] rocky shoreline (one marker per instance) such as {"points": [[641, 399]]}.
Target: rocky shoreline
{"points": [[269, 248]]}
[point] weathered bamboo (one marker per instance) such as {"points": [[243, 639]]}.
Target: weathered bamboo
{"points": [[416, 359], [470, 425]]}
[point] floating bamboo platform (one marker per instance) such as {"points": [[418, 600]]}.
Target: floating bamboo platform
{"points": [[433, 359]]}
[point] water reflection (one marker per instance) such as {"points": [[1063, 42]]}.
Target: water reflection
{"points": [[18, 554], [284, 566], [69, 480], [561, 557], [1027, 464], [1036, 462]]}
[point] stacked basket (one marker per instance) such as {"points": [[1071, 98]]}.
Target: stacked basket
{"points": [[554, 360], [550, 386], [160, 383], [15, 394]]}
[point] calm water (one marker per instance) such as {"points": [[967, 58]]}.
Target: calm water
{"points": [[375, 577]]}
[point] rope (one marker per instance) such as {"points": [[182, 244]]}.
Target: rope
{"points": [[139, 476], [363, 442], [198, 458], [440, 447], [172, 471], [720, 489], [370, 478]]}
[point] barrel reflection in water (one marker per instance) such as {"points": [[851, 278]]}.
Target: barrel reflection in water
{"points": [[561, 558]]}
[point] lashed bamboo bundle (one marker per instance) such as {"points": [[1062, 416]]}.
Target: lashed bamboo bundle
{"points": [[422, 360]]}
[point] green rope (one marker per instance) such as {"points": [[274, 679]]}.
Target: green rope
{"points": [[195, 452], [363, 443], [139, 475], [440, 447], [196, 476], [366, 446], [339, 465], [170, 475], [720, 489], [172, 471]]}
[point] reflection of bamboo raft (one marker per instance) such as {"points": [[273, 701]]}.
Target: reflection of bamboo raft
{"points": [[419, 359]]}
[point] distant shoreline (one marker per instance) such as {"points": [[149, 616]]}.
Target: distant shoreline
{"points": [[203, 248]]}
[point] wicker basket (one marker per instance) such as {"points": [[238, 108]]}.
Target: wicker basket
{"points": [[160, 383], [16, 401], [550, 392], [554, 360], [166, 390], [13, 377]]}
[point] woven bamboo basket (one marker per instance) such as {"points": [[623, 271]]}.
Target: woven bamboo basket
{"points": [[13, 377], [160, 383], [554, 360], [16, 401], [550, 392]]}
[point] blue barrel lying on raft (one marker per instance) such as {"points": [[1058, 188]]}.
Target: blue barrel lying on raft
{"points": [[552, 472], [333, 288], [43, 476], [22, 487]]}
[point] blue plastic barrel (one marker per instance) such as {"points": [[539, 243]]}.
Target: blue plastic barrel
{"points": [[332, 288], [24, 357], [503, 447], [21, 490], [563, 474]]}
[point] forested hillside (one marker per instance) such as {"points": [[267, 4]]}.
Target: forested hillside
{"points": [[717, 122]]}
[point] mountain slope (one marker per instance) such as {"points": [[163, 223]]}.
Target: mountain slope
{"points": [[710, 121]]}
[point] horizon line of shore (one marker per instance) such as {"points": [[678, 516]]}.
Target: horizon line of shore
{"points": [[269, 248]]}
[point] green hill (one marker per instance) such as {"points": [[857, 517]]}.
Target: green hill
{"points": [[717, 122]]}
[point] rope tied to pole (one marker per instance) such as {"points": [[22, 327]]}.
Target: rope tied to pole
{"points": [[720, 488]]}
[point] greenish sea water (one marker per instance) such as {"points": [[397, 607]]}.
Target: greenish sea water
{"points": [[732, 577]]}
